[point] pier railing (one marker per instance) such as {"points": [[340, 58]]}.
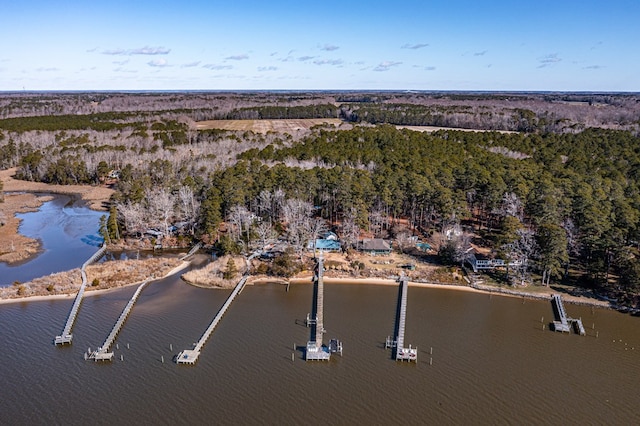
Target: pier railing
{"points": [[66, 335], [102, 353]]}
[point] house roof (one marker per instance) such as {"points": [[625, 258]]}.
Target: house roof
{"points": [[375, 244], [326, 245]]}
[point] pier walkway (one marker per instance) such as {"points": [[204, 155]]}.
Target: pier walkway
{"points": [[66, 335], [315, 350], [402, 353], [564, 323], [102, 353], [190, 356]]}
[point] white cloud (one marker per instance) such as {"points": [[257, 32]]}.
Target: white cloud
{"points": [[272, 68], [158, 63], [146, 50], [414, 46], [190, 64], [386, 65], [329, 47], [217, 67], [334, 62], [238, 57], [548, 60]]}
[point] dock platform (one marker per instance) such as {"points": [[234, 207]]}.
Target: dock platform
{"points": [[402, 353], [102, 353], [315, 350], [564, 323], [66, 336], [190, 356]]}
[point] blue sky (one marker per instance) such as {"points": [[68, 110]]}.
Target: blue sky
{"points": [[564, 45]]}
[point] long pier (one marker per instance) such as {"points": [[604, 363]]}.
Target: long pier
{"points": [[315, 350], [402, 353], [66, 335], [102, 353], [190, 356], [564, 323]]}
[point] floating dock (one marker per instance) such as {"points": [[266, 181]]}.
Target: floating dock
{"points": [[190, 356], [102, 353], [315, 350], [66, 335], [402, 353], [563, 323]]}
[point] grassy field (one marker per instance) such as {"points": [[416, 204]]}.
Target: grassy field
{"points": [[264, 126]]}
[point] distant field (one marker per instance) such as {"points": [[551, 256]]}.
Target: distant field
{"points": [[264, 126], [435, 129]]}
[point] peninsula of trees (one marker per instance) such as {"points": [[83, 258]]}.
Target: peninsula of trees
{"points": [[551, 183]]}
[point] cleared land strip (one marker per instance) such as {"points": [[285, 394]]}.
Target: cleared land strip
{"points": [[264, 126]]}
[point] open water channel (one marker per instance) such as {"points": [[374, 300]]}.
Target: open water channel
{"points": [[492, 362]]}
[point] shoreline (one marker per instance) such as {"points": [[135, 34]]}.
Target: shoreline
{"points": [[89, 291], [262, 280]]}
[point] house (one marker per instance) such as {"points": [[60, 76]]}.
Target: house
{"points": [[325, 245], [375, 246], [481, 262]]}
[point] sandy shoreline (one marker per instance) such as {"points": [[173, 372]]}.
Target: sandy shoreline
{"points": [[89, 291], [339, 281]]}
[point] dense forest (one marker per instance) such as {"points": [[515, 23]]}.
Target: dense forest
{"points": [[560, 198]]}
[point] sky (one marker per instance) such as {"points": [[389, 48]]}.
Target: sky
{"points": [[502, 45]]}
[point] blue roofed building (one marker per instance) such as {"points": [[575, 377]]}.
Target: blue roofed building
{"points": [[325, 245]]}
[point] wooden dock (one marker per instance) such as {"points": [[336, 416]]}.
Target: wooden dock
{"points": [[66, 335], [402, 353], [564, 323], [102, 353], [315, 350], [190, 356]]}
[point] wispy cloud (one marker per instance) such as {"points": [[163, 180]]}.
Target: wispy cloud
{"points": [[92, 50], [329, 47], [271, 68], [305, 58], [237, 57], [429, 68], [594, 67], [548, 60], [139, 51], [484, 52], [386, 65], [414, 46], [47, 69], [334, 62], [190, 64], [123, 62], [158, 63], [217, 67]]}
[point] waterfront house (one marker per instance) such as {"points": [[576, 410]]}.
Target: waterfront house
{"points": [[375, 246]]}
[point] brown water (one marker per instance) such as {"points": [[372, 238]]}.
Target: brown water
{"points": [[492, 362]]}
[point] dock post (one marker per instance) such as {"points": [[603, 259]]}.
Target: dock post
{"points": [[171, 347], [127, 346], [431, 351], [430, 361], [293, 356], [117, 346], [162, 358], [121, 357]]}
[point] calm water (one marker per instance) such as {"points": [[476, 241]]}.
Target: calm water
{"points": [[68, 233], [492, 362]]}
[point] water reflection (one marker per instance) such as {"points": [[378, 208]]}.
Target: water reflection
{"points": [[68, 232]]}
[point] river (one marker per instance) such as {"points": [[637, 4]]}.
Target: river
{"points": [[492, 362], [67, 231], [482, 359]]}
